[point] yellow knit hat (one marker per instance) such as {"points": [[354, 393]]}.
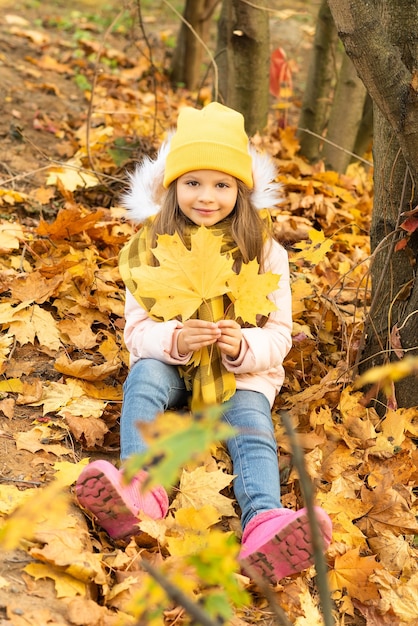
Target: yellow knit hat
{"points": [[212, 138]]}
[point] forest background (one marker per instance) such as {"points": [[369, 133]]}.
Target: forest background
{"points": [[81, 103]]}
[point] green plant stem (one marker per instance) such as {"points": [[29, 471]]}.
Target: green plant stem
{"points": [[317, 543]]}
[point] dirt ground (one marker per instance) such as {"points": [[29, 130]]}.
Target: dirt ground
{"points": [[34, 101]]}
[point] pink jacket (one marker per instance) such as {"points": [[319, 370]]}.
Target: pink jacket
{"points": [[259, 366]]}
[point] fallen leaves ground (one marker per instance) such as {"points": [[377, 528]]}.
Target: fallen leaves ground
{"points": [[63, 362]]}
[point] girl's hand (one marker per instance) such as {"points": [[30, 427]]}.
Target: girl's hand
{"points": [[231, 336], [196, 334]]}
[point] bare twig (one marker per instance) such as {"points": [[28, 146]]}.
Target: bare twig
{"points": [[151, 61], [335, 145], [316, 536], [90, 107], [193, 609]]}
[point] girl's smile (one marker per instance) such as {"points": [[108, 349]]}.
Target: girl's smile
{"points": [[206, 197]]}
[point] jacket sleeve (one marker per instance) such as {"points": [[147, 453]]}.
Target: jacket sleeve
{"points": [[148, 339], [266, 348]]}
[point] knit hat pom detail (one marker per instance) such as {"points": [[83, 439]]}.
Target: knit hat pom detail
{"points": [[146, 192]]}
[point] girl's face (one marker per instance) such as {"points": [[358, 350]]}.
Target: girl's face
{"points": [[206, 197]]}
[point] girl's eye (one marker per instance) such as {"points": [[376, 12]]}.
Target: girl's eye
{"points": [[223, 185], [192, 183]]}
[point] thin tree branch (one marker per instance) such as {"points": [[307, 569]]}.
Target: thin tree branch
{"points": [[316, 536], [90, 107], [193, 609]]}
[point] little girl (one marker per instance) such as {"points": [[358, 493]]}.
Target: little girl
{"points": [[206, 174]]}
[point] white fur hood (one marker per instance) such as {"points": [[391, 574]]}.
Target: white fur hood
{"points": [[146, 192]]}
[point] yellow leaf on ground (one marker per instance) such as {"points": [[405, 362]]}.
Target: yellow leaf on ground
{"points": [[11, 385], [10, 236], [67, 472], [50, 503], [197, 519], [200, 488], [389, 510], [35, 287], [79, 332], [65, 586], [36, 322], [395, 553], [352, 572], [301, 289], [315, 249], [399, 595], [11, 497], [3, 582], [86, 369], [392, 432], [312, 615], [6, 342], [38, 438], [71, 176]]}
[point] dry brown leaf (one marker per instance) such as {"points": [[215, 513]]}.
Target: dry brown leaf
{"points": [[91, 429]]}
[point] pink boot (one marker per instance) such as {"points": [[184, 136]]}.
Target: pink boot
{"points": [[277, 543], [116, 506]]}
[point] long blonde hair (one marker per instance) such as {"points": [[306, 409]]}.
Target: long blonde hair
{"points": [[245, 225]]}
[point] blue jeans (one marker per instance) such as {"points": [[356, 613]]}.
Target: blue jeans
{"points": [[153, 387]]}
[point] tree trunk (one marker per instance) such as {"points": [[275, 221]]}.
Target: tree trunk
{"points": [[189, 52], [345, 118], [364, 137], [243, 60], [381, 39], [322, 76]]}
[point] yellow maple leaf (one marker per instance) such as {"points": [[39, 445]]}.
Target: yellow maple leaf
{"points": [[38, 438], [185, 278], [315, 249], [64, 547], [55, 396], [11, 385], [11, 497], [65, 585], [67, 472], [200, 488], [301, 289], [33, 322], [249, 289], [197, 519], [49, 502], [399, 595], [71, 176], [352, 572]]}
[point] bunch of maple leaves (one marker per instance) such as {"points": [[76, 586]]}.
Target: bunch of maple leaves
{"points": [[62, 356]]}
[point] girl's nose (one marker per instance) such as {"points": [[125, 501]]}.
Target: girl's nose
{"points": [[205, 194]]}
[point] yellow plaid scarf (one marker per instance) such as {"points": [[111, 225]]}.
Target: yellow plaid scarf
{"points": [[204, 375]]}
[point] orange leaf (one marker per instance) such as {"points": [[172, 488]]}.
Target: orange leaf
{"points": [[352, 572]]}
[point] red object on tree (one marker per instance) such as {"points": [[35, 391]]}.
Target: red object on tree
{"points": [[280, 72]]}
